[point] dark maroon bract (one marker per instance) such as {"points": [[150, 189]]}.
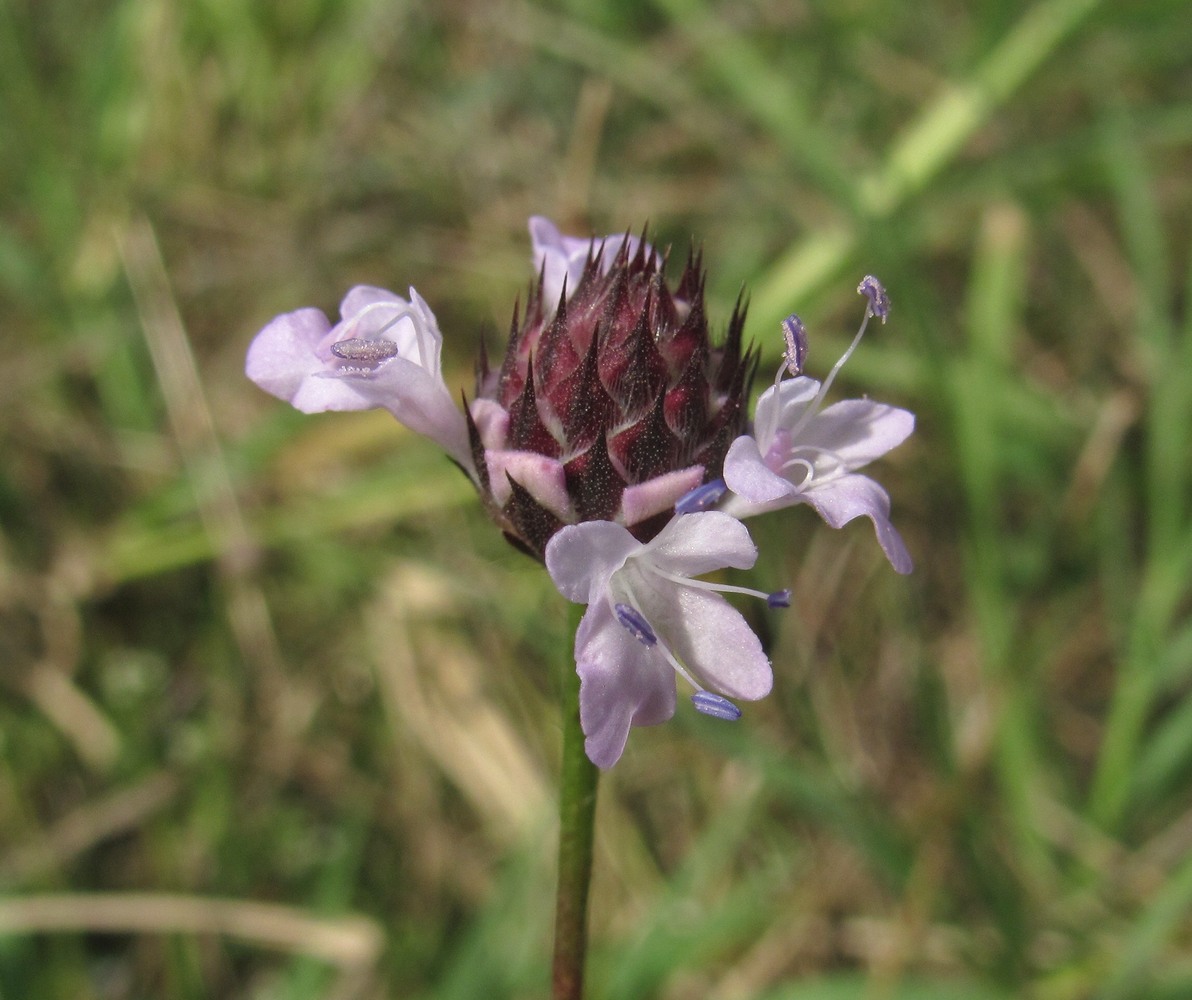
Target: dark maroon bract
{"points": [[612, 402]]}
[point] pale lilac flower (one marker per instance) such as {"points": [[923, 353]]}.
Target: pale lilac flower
{"points": [[561, 259], [384, 352], [801, 452], [648, 620]]}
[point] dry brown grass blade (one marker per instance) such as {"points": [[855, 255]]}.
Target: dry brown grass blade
{"points": [[91, 823], [77, 717], [351, 942], [446, 709], [198, 442]]}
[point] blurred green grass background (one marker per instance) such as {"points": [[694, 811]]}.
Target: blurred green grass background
{"points": [[276, 703]]}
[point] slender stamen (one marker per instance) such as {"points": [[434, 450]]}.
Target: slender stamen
{"points": [[723, 588], [679, 668], [632, 621], [878, 300], [840, 364], [715, 705], [701, 498]]}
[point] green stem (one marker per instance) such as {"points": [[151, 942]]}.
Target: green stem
{"points": [[577, 814]]}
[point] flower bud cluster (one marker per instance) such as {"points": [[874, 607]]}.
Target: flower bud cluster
{"points": [[610, 404]]}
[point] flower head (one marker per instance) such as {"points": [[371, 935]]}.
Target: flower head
{"points": [[611, 403], [802, 452], [649, 620], [601, 445], [384, 352]]}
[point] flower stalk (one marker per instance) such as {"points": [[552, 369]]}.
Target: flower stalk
{"points": [[577, 816]]}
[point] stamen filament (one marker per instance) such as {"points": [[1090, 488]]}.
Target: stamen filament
{"points": [[814, 406], [723, 588], [807, 464], [679, 668]]}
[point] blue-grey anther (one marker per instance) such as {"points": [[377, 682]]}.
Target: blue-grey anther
{"points": [[701, 498], [875, 292], [779, 599], [371, 352], [632, 621], [715, 705], [795, 335]]}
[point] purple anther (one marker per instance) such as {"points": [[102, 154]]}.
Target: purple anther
{"points": [[795, 335], [716, 706], [371, 352], [701, 498], [635, 624], [879, 301], [779, 599]]}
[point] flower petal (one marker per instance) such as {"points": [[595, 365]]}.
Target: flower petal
{"points": [[559, 258], [622, 683], [709, 540], [782, 406], [492, 421], [748, 476], [858, 430], [361, 297], [715, 642], [280, 356], [562, 258], [581, 557], [543, 477], [394, 321], [658, 494], [414, 396], [840, 500]]}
